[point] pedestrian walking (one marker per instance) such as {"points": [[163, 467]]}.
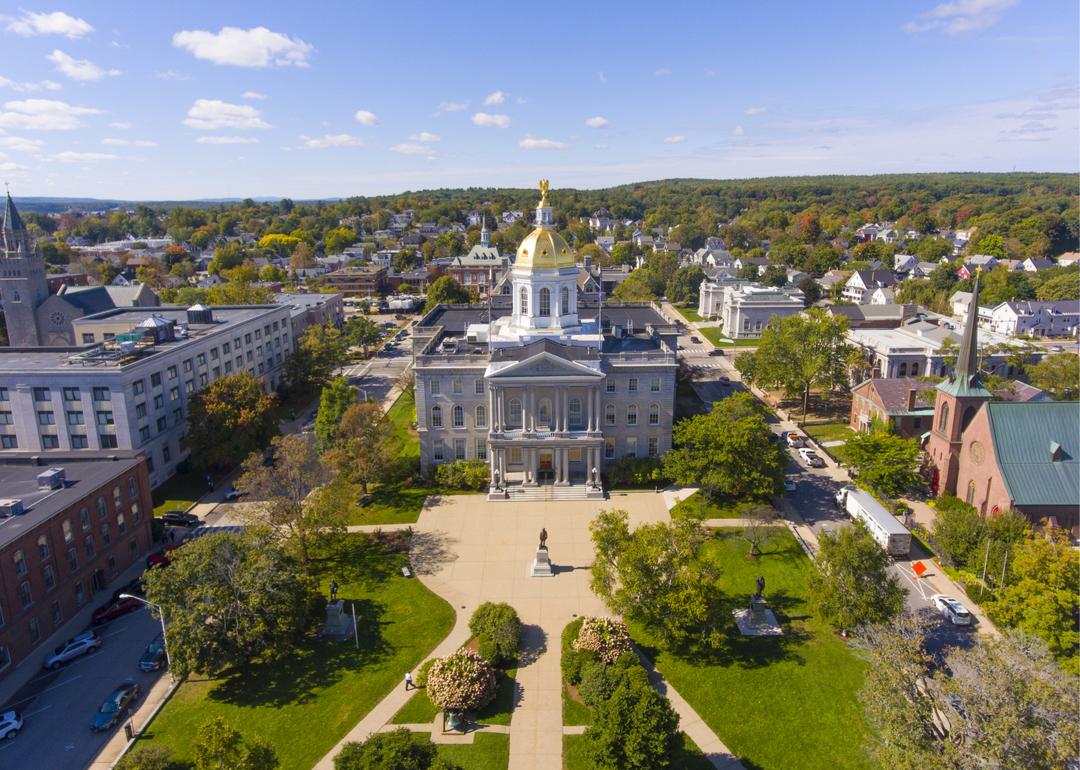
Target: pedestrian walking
{"points": [[408, 680]]}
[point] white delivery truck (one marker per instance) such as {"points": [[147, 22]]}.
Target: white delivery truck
{"points": [[893, 536]]}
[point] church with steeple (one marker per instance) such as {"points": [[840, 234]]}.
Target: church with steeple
{"points": [[545, 384], [998, 455], [23, 287]]}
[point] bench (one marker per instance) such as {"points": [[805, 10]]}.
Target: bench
{"points": [[405, 572]]}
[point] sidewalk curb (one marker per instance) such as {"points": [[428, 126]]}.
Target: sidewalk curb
{"points": [[138, 732]]}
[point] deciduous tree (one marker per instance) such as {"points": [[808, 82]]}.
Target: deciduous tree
{"points": [[886, 463], [1058, 374], [445, 290], [337, 396], [634, 729], [229, 420], [220, 746], [362, 450]]}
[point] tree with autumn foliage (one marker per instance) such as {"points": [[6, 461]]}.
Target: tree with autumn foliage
{"points": [[229, 420]]}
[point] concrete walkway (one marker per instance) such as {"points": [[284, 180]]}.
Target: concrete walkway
{"points": [[469, 550]]}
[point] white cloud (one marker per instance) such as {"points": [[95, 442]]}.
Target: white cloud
{"points": [[738, 131], [82, 157], [226, 140], [113, 142], [755, 110], [79, 69], [451, 107], [520, 100], [532, 143], [425, 136], [710, 73], [123, 125], [172, 76], [43, 115], [674, 139], [330, 140], [31, 24], [213, 114], [23, 86], [252, 95], [9, 166], [255, 47], [365, 118], [495, 97], [662, 72], [485, 119], [20, 144], [960, 16], [601, 76], [412, 149], [597, 122]]}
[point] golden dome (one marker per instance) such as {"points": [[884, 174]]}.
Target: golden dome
{"points": [[544, 249]]}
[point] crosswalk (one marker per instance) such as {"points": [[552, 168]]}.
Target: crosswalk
{"points": [[693, 349]]}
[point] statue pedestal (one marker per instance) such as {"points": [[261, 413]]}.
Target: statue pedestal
{"points": [[541, 566], [338, 624], [758, 620]]}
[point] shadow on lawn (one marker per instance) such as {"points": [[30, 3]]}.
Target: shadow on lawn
{"points": [[296, 679]]}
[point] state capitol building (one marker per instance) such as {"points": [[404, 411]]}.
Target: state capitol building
{"points": [[545, 384]]}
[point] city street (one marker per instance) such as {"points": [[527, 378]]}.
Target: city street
{"points": [[56, 733]]}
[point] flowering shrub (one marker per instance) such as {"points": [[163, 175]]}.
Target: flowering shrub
{"points": [[462, 681], [605, 637]]}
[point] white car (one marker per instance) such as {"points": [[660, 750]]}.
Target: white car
{"points": [[10, 724], [73, 648], [952, 609], [810, 457]]}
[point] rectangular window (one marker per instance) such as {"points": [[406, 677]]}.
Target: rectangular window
{"points": [[455, 385], [144, 433], [437, 450], [166, 454], [162, 424], [84, 519], [174, 394], [631, 415], [632, 385], [478, 387], [106, 538], [433, 387], [108, 441], [155, 380], [8, 442], [609, 449], [134, 513], [4, 394], [41, 394], [87, 338], [72, 394], [50, 578], [226, 347], [46, 418], [104, 418], [515, 455], [102, 394], [6, 418], [187, 365], [247, 338], [80, 594], [159, 401], [610, 386], [140, 410], [35, 631], [177, 416], [57, 613], [201, 359], [631, 446], [481, 449], [25, 597], [654, 446], [172, 372], [73, 559], [137, 388], [88, 545], [236, 343], [79, 441], [609, 415], [654, 385], [654, 415], [121, 525], [76, 418], [228, 367], [459, 449], [49, 441]]}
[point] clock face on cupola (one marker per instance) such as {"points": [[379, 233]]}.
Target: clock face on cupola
{"points": [[57, 318]]}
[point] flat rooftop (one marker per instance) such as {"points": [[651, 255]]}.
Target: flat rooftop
{"points": [[84, 472]]}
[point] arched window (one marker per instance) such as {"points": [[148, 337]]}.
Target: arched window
{"points": [[903, 369], [524, 294], [971, 493], [564, 301], [915, 370], [459, 417], [654, 414], [514, 418], [575, 411], [943, 420], [631, 414], [43, 547], [20, 563], [545, 405], [481, 416], [436, 417], [545, 302], [609, 414]]}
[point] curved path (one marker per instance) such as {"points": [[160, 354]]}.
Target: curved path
{"points": [[468, 551]]}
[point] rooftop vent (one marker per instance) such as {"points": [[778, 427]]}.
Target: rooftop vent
{"points": [[161, 329], [200, 314], [11, 506], [53, 478]]}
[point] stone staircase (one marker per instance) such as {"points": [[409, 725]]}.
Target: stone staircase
{"points": [[547, 492]]}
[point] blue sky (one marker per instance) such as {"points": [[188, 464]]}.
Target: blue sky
{"points": [[317, 99]]}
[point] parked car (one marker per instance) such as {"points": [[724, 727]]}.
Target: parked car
{"points": [[116, 705], [696, 340], [160, 557], [10, 724], [716, 352], [115, 609], [794, 440], [135, 588], [725, 380], [789, 484], [179, 519], [153, 657], [88, 641], [952, 609], [232, 493], [810, 457]]}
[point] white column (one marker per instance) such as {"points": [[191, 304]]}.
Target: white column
{"points": [[556, 410], [493, 419], [566, 411]]}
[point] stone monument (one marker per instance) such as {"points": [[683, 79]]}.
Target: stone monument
{"points": [[338, 624], [757, 619], [541, 566]]}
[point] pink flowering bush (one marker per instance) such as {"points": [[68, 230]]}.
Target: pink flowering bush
{"points": [[462, 681], [605, 637]]}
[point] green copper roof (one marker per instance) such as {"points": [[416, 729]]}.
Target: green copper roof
{"points": [[1028, 436]]}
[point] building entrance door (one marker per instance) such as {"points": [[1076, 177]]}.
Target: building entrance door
{"points": [[545, 470]]}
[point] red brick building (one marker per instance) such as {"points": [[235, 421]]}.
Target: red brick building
{"points": [[907, 403], [65, 539]]}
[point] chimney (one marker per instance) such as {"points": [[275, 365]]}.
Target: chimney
{"points": [[911, 395]]}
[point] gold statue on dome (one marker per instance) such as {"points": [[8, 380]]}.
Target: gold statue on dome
{"points": [[543, 191]]}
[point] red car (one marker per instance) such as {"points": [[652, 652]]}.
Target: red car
{"points": [[160, 557], [114, 610]]}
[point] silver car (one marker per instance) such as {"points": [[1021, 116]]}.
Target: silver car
{"points": [[73, 648], [10, 724]]}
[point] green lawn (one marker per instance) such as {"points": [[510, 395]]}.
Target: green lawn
{"points": [[420, 709], [776, 702], [689, 312], [304, 705], [700, 505], [714, 335], [829, 431], [489, 751], [180, 492], [405, 443], [574, 712], [687, 757]]}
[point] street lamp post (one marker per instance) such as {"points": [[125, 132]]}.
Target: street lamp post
{"points": [[161, 617]]}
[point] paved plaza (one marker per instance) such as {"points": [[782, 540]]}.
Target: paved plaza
{"points": [[469, 550]]}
